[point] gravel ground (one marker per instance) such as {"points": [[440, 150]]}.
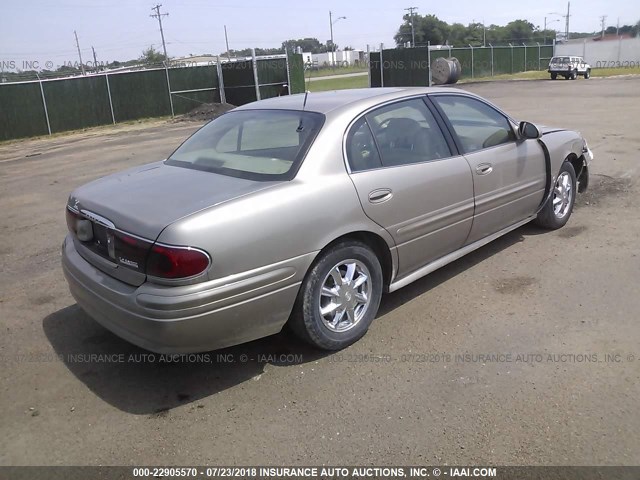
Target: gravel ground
{"points": [[524, 352]]}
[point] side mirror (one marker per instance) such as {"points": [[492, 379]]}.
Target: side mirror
{"points": [[528, 130]]}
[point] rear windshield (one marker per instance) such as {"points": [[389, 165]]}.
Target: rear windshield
{"points": [[253, 144], [561, 60]]}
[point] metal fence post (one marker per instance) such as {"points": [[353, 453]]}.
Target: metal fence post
{"points": [[223, 95], [539, 65], [166, 70], [368, 65], [491, 47], [511, 57], [44, 104], [113, 117], [286, 59], [429, 59], [449, 51], [471, 60], [525, 57], [381, 67], [255, 72]]}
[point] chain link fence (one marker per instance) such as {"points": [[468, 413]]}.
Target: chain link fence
{"points": [[50, 105], [411, 66]]}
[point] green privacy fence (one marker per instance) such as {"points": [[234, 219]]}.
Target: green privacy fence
{"points": [[50, 106], [410, 66]]}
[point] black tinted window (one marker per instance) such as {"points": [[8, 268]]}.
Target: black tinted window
{"points": [[406, 132], [361, 148], [476, 124]]}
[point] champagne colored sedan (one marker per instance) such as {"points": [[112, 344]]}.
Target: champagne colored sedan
{"points": [[304, 210]]}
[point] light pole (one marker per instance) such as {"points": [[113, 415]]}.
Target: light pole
{"points": [[557, 20], [331, 23], [545, 26]]}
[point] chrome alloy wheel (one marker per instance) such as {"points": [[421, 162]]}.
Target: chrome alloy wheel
{"points": [[562, 195], [345, 295]]}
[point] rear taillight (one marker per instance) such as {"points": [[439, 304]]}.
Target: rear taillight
{"points": [[166, 261], [162, 261], [128, 250]]}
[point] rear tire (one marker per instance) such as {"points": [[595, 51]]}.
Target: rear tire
{"points": [[339, 297], [587, 74], [574, 75], [554, 76], [556, 212]]}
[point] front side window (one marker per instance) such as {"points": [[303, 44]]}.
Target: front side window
{"points": [[476, 124], [253, 144], [406, 132]]}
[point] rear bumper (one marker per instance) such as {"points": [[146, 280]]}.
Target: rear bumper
{"points": [[192, 318]]}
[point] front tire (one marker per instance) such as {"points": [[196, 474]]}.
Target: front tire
{"points": [[554, 76], [587, 74], [339, 297], [556, 212], [574, 75]]}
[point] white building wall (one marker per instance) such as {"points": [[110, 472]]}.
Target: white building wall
{"points": [[340, 58], [604, 53]]}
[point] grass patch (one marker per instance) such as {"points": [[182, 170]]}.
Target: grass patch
{"points": [[338, 83], [325, 72], [610, 72], [542, 75]]}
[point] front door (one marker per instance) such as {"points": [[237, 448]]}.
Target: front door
{"points": [[509, 174]]}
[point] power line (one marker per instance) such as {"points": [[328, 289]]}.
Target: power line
{"points": [[413, 32], [159, 16]]}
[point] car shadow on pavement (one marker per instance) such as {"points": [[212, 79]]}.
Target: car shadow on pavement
{"points": [[137, 381], [396, 299], [140, 382]]}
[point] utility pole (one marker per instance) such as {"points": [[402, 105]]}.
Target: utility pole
{"points": [[95, 62], [413, 32], [603, 19], [159, 16], [567, 25], [79, 54], [484, 34], [226, 39]]}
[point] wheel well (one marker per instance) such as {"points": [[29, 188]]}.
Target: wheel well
{"points": [[374, 242], [576, 163]]}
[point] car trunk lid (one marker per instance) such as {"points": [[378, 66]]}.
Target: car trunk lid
{"points": [[128, 211]]}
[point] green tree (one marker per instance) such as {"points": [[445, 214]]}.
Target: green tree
{"points": [[312, 45], [151, 56]]}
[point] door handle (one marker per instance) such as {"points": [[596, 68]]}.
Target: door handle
{"points": [[484, 169], [380, 195]]}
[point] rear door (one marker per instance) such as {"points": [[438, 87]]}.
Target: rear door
{"points": [[410, 182], [509, 174]]}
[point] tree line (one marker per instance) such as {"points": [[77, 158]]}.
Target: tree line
{"points": [[430, 29]]}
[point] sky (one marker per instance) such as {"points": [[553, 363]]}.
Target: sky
{"points": [[43, 31]]}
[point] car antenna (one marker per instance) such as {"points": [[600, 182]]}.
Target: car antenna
{"points": [[304, 104]]}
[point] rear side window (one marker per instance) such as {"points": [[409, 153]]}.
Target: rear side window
{"points": [[405, 132], [252, 144], [362, 152], [476, 124]]}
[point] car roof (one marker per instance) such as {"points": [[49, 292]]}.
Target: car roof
{"points": [[330, 101]]}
